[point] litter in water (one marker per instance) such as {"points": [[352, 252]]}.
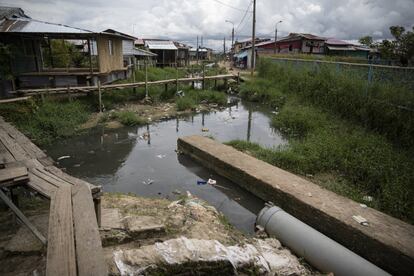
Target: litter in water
{"points": [[363, 205], [201, 182], [212, 182], [205, 129], [161, 156], [63, 157], [148, 182]]}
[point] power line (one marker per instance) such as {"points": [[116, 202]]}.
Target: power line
{"points": [[229, 6], [244, 16]]}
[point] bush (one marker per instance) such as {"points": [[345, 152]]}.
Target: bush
{"points": [[128, 118], [263, 91], [48, 121], [185, 103]]}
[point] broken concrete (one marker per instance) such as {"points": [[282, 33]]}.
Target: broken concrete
{"points": [[111, 219], [144, 226], [193, 256]]}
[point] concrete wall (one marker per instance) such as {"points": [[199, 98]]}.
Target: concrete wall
{"points": [[386, 241], [107, 62]]}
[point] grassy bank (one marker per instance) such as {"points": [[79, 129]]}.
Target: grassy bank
{"points": [[47, 121], [342, 148]]}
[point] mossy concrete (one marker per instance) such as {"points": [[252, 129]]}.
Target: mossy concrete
{"points": [[386, 241]]}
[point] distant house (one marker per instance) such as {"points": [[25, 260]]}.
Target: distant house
{"points": [[203, 53], [132, 55], [43, 54], [301, 43], [239, 45], [183, 54], [167, 52], [336, 47]]}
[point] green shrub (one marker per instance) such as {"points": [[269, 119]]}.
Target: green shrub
{"points": [[128, 118], [48, 121], [185, 103], [263, 91]]}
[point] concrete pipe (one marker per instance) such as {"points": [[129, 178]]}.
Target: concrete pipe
{"points": [[320, 251]]}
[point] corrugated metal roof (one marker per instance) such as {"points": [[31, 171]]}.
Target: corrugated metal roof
{"points": [[11, 12], [26, 25], [160, 45], [334, 41], [140, 52]]}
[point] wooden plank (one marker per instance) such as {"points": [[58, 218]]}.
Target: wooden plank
{"points": [[22, 217], [39, 185], [5, 155], [11, 100], [50, 178], [15, 150], [89, 252], [72, 180], [61, 259], [10, 174], [22, 140]]}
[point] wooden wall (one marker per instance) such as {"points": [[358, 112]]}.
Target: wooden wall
{"points": [[107, 62]]}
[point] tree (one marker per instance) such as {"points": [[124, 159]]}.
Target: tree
{"points": [[366, 40], [402, 47]]}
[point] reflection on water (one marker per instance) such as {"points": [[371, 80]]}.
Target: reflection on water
{"points": [[126, 159]]}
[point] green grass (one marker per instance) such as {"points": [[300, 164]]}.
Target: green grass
{"points": [[338, 152], [194, 97], [128, 118], [384, 108], [48, 121]]}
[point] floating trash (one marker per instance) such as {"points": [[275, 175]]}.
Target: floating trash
{"points": [[63, 157], [201, 182], [148, 182]]}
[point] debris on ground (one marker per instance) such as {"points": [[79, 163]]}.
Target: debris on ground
{"points": [[368, 198], [361, 220], [197, 256], [204, 129]]}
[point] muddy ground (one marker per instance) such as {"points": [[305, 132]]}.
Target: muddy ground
{"points": [[133, 226]]}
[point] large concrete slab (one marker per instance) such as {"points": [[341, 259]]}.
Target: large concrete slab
{"points": [[386, 241]]}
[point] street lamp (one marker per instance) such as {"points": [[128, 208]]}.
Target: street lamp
{"points": [[276, 35], [232, 33]]}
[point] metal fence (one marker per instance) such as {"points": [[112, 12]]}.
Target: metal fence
{"points": [[372, 73]]}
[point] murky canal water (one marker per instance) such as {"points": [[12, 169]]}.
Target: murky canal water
{"points": [[122, 161]]}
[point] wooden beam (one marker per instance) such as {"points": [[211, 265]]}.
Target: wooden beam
{"points": [[61, 258], [89, 253], [18, 174], [22, 217], [18, 99]]}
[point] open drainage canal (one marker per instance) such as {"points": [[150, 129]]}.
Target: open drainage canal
{"points": [[126, 160]]}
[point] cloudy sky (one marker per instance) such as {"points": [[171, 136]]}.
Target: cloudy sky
{"points": [[185, 19]]}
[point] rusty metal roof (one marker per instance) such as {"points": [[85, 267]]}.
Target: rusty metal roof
{"points": [[11, 12]]}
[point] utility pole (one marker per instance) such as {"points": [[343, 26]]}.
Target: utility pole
{"points": [[232, 33], [253, 65], [201, 41], [224, 47], [276, 35], [197, 50]]}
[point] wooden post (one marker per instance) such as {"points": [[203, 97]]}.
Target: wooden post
{"points": [[99, 96], [215, 83], [176, 79], [97, 204], [22, 217], [166, 87], [146, 79], [133, 77], [69, 95], [204, 78], [238, 77]]}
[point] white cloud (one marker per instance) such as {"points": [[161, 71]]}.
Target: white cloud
{"points": [[185, 19]]}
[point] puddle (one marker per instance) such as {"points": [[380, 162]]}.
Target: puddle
{"points": [[127, 160]]}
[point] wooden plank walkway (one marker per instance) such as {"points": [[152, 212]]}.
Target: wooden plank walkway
{"points": [[87, 89], [73, 245]]}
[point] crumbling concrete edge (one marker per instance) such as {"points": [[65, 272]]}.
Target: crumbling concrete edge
{"points": [[391, 250]]}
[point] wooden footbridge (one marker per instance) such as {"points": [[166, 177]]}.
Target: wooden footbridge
{"points": [[73, 243]]}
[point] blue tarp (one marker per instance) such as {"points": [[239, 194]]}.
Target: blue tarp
{"points": [[241, 55]]}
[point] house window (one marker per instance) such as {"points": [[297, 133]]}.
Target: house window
{"points": [[290, 48], [110, 46]]}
